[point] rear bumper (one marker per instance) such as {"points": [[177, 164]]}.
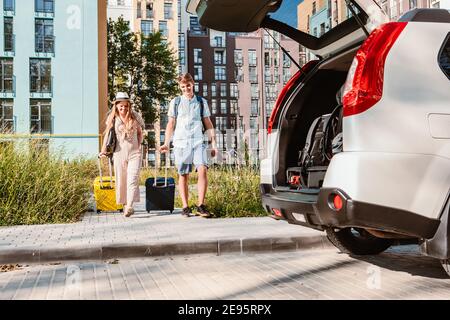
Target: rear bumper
{"points": [[316, 212]]}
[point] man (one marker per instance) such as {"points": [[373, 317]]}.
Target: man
{"points": [[188, 115]]}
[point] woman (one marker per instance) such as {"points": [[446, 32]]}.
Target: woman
{"points": [[129, 126]]}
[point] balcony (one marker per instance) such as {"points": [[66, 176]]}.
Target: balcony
{"points": [[8, 126], [45, 46], [41, 89], [149, 14], [42, 125], [9, 44], [218, 43], [8, 90]]}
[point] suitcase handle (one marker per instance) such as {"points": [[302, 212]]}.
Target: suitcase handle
{"points": [[165, 170], [110, 172]]}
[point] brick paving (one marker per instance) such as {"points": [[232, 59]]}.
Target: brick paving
{"points": [[399, 273]]}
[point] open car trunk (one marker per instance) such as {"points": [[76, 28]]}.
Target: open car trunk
{"points": [[318, 96]]}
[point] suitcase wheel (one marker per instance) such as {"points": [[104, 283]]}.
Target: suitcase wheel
{"points": [[98, 211], [148, 211], [120, 210]]}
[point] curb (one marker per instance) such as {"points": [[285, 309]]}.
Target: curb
{"points": [[124, 250]]}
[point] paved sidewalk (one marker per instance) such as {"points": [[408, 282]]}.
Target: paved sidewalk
{"points": [[110, 235]]}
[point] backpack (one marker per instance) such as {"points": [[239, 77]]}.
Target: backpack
{"points": [[199, 99]]}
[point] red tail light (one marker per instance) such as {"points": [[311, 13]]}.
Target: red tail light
{"points": [[364, 86], [306, 67], [337, 202]]}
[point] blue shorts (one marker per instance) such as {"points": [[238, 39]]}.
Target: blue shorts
{"points": [[187, 157]]}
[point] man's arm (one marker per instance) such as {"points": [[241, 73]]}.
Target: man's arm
{"points": [[211, 134], [169, 132]]}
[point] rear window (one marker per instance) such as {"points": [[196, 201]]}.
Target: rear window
{"points": [[444, 57], [314, 17]]}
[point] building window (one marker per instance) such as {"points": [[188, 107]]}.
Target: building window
{"points": [[219, 73], [8, 34], [267, 59], [219, 140], [181, 40], [219, 57], [223, 89], [40, 116], [40, 75], [253, 76], [44, 40], [286, 75], [214, 106], [234, 93], [223, 106], [314, 9], [412, 4], [254, 123], [168, 10], [271, 93], [8, 5], [139, 10], [198, 73], [254, 90], [47, 6], [221, 123], [254, 107], [6, 116], [182, 56], [218, 42], [149, 10], [286, 60], [239, 74], [252, 57], [233, 106], [197, 55], [276, 75], [238, 57], [205, 89], [268, 75], [146, 27], [269, 107], [163, 28], [435, 5], [7, 75], [213, 89], [196, 87], [276, 59]]}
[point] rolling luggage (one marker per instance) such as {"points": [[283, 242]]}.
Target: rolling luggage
{"points": [[160, 193], [105, 191]]}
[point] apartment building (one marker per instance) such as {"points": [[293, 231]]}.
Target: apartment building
{"points": [[54, 73], [240, 75], [121, 8]]}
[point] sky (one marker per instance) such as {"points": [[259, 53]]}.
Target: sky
{"points": [[287, 12]]}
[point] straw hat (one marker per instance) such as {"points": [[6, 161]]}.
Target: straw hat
{"points": [[121, 96]]}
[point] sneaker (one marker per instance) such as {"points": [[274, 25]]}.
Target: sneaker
{"points": [[186, 212], [202, 211]]}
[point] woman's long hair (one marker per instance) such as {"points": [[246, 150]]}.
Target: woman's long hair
{"points": [[130, 119]]}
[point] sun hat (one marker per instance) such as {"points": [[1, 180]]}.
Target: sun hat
{"points": [[121, 96]]}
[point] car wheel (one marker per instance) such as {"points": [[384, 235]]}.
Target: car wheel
{"points": [[446, 266], [357, 241]]}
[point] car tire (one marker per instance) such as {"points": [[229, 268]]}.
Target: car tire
{"points": [[357, 241], [446, 266]]}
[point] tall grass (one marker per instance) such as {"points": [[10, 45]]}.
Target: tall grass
{"points": [[36, 188]]}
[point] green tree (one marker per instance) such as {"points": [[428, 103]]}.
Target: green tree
{"points": [[143, 66]]}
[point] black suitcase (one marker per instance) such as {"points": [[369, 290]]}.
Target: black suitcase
{"points": [[160, 195]]}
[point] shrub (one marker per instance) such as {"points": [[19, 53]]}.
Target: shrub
{"points": [[36, 188]]}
